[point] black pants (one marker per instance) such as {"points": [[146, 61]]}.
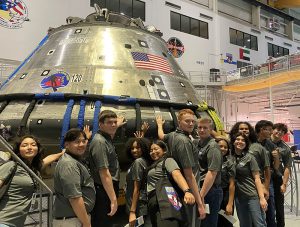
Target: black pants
{"points": [[223, 222], [102, 207], [279, 201], [154, 215]]}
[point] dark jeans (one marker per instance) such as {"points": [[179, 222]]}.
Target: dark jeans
{"points": [[279, 201], [223, 222], [102, 207], [213, 198], [271, 222], [154, 215]]}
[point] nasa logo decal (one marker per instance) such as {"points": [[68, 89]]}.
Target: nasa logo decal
{"points": [[55, 81], [13, 13], [173, 198], [176, 47]]}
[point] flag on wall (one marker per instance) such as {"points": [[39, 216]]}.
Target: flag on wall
{"points": [[151, 61], [245, 54]]}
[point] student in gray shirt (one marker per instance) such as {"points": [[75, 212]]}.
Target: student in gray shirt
{"points": [[158, 151], [250, 201], [281, 176], [185, 154], [257, 150], [15, 203], [263, 129], [73, 184], [227, 182], [105, 170], [210, 160], [137, 150]]}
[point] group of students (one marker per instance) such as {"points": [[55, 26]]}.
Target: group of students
{"points": [[249, 169]]}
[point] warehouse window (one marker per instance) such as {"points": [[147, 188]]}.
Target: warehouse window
{"points": [[131, 8], [243, 39], [189, 25], [277, 51]]}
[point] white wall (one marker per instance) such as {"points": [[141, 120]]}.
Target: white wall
{"points": [[16, 44]]}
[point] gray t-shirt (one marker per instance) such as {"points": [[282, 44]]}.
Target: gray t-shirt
{"points": [[228, 171], [261, 156], [182, 150], [157, 172], [102, 155], [210, 158], [71, 180], [135, 173], [245, 184], [15, 204], [285, 157]]}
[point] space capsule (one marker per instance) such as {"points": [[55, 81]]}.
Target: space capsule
{"points": [[105, 61]]}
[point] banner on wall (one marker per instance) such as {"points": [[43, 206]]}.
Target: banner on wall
{"points": [[229, 59], [13, 13]]}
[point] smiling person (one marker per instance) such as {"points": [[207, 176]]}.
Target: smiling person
{"points": [[227, 182], [210, 160], [15, 203], [158, 152], [185, 154], [263, 129], [73, 184], [137, 150], [281, 176], [249, 196], [257, 150]]}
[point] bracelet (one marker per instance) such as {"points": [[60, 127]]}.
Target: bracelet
{"points": [[188, 190], [132, 211]]}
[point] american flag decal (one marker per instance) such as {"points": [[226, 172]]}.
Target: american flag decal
{"points": [[151, 62]]}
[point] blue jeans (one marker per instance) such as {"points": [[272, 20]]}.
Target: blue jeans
{"points": [[213, 198], [250, 213], [271, 207]]}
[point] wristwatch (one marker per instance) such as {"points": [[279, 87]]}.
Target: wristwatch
{"points": [[187, 190]]}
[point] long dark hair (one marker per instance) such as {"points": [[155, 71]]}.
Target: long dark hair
{"points": [[246, 149], [164, 147], [235, 129], [36, 163], [143, 143], [218, 139]]}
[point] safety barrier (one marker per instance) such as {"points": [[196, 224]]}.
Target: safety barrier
{"points": [[251, 72]]}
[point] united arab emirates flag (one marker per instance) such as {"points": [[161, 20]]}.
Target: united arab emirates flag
{"points": [[245, 54]]}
